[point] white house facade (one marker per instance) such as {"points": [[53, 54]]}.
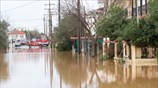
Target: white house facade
{"points": [[16, 35]]}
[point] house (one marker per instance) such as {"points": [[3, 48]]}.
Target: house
{"points": [[129, 5], [16, 35], [145, 55]]}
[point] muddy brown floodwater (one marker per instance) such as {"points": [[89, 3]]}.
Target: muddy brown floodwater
{"points": [[39, 68]]}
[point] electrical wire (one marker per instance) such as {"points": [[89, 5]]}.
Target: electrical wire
{"points": [[36, 19], [23, 0], [19, 7], [88, 4], [69, 6], [66, 2]]}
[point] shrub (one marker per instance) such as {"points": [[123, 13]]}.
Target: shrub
{"points": [[63, 46], [103, 57]]}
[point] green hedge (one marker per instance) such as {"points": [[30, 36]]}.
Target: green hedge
{"points": [[63, 46]]}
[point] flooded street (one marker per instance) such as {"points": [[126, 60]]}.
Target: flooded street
{"points": [[39, 68]]}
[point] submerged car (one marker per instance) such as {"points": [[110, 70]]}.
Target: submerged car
{"points": [[23, 42], [33, 42], [17, 43]]}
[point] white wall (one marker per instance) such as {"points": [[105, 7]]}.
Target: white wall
{"points": [[17, 37]]}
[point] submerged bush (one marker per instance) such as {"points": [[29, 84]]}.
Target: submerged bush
{"points": [[63, 46], [103, 57]]}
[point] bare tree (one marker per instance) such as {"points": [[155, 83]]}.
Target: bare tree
{"points": [[91, 17]]}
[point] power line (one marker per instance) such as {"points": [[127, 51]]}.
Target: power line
{"points": [[66, 2], [47, 0], [19, 7], [36, 19], [24, 0], [88, 4]]}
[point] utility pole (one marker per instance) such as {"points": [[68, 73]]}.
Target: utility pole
{"points": [[146, 6], [137, 13], [79, 27], [0, 12], [44, 24], [59, 11], [59, 26], [45, 19], [46, 27], [141, 4], [132, 8], [50, 24], [84, 32]]}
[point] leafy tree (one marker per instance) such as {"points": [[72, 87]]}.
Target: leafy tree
{"points": [[64, 31], [32, 34], [137, 35], [3, 35], [153, 10], [146, 32], [86, 24], [153, 21], [112, 24]]}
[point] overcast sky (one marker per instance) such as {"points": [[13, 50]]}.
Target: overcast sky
{"points": [[29, 13]]}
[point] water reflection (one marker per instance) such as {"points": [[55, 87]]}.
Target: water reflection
{"points": [[39, 68], [4, 73], [26, 69], [72, 71], [86, 72], [131, 76]]}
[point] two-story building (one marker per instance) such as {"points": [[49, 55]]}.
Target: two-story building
{"points": [[16, 35]]}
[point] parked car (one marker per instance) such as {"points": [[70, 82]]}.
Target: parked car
{"points": [[17, 43], [33, 42], [43, 41], [23, 42]]}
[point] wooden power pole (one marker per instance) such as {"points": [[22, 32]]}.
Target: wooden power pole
{"points": [[0, 12], [59, 11], [146, 7], [141, 4], [44, 24], [79, 27], [50, 24], [132, 8]]}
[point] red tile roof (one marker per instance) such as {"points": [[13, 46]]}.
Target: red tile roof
{"points": [[16, 32]]}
